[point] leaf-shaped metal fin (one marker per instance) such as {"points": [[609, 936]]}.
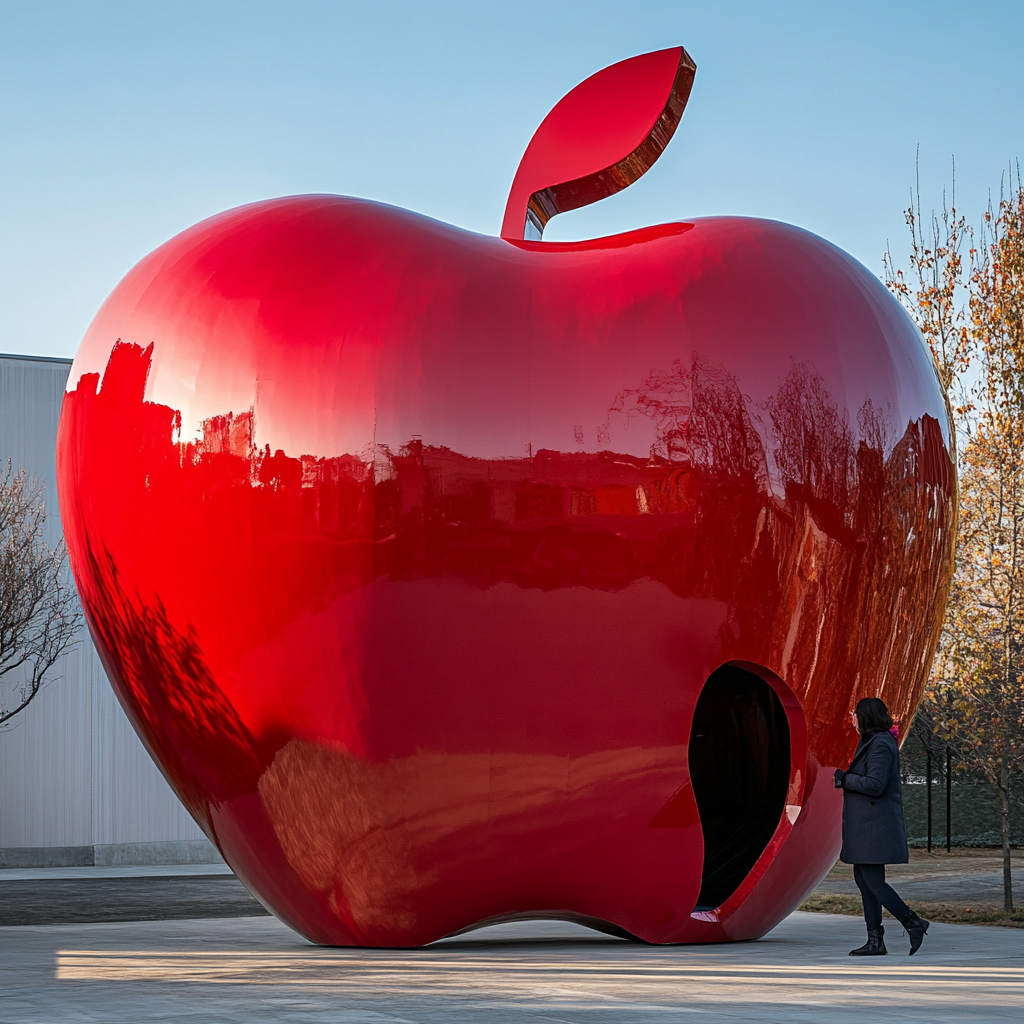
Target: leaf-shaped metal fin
{"points": [[599, 138]]}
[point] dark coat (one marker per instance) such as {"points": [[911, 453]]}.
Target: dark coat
{"points": [[873, 827]]}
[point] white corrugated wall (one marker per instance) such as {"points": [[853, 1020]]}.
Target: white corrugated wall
{"points": [[76, 785]]}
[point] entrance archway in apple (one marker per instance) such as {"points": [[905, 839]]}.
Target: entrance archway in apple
{"points": [[747, 756]]}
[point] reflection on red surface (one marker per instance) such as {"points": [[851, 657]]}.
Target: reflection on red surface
{"points": [[408, 551]]}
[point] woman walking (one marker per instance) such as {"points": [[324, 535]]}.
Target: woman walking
{"points": [[873, 830]]}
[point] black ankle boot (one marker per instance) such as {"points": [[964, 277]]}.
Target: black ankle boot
{"points": [[916, 927], [875, 946]]}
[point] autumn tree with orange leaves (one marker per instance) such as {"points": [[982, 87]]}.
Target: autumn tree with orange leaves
{"points": [[969, 306]]}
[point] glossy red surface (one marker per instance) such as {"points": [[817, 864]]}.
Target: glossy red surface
{"points": [[599, 138], [409, 553], [408, 550]]}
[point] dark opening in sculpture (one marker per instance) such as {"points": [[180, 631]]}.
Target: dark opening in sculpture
{"points": [[739, 766]]}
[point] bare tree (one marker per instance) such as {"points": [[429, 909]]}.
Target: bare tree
{"points": [[39, 611], [935, 293]]}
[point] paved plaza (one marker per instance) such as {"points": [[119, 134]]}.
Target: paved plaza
{"points": [[245, 969]]}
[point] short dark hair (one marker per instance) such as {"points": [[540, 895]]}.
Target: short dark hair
{"points": [[873, 716]]}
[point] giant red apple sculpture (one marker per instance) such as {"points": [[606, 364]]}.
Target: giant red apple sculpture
{"points": [[450, 578]]}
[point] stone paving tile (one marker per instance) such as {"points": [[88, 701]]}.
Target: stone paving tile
{"points": [[254, 968]]}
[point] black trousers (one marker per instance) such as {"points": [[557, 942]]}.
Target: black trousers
{"points": [[877, 893]]}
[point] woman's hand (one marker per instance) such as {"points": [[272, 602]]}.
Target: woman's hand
{"points": [[839, 776]]}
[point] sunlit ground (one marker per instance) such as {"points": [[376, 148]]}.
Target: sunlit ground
{"points": [[229, 970]]}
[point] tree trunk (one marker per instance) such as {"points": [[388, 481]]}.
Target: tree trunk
{"points": [[1009, 676], [928, 776], [1004, 795], [949, 801]]}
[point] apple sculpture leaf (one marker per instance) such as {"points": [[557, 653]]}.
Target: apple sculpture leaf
{"points": [[451, 579], [599, 138]]}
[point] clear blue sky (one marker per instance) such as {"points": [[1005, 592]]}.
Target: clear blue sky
{"points": [[123, 123]]}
